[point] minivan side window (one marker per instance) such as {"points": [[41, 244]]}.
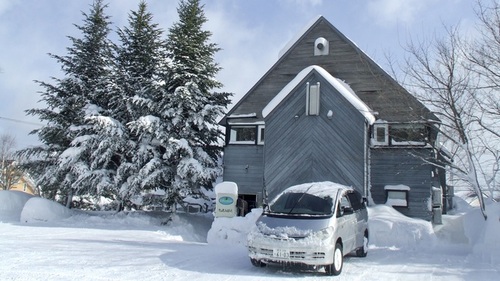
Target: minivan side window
{"points": [[344, 203], [355, 201]]}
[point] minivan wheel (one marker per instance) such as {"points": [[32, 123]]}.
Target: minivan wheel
{"points": [[257, 263], [338, 261], [363, 251]]}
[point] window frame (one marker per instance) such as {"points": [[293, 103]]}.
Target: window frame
{"points": [[258, 132], [412, 130], [313, 99], [261, 134], [375, 138], [233, 137], [417, 134]]}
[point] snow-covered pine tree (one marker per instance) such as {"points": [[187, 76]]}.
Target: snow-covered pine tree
{"points": [[64, 157], [141, 71], [194, 144]]}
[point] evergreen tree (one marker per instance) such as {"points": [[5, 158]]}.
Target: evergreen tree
{"points": [[193, 146], [141, 70], [63, 159]]}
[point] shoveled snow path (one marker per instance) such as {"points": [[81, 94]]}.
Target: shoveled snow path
{"points": [[43, 252]]}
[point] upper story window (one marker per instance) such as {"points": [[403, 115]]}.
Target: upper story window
{"points": [[312, 99], [246, 134], [380, 134], [408, 134], [242, 134], [385, 134]]}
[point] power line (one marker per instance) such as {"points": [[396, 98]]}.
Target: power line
{"points": [[21, 121]]}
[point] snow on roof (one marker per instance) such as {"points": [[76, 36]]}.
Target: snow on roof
{"points": [[298, 36], [397, 187], [320, 189], [248, 115], [339, 85]]}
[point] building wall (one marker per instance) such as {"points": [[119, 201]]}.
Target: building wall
{"points": [[244, 165], [23, 186], [394, 166], [301, 148]]}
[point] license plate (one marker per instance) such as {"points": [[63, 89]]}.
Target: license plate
{"points": [[281, 253]]}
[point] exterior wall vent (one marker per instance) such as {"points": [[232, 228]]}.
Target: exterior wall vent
{"points": [[321, 47]]}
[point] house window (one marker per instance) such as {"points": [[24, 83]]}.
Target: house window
{"points": [[400, 134], [242, 135], [408, 134], [397, 195], [380, 134], [260, 134], [246, 134], [312, 99]]}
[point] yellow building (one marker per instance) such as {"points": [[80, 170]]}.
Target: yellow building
{"points": [[12, 178], [25, 184]]}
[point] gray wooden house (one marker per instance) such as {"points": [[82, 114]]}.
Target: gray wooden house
{"points": [[326, 111]]}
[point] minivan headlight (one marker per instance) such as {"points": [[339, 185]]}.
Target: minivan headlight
{"points": [[325, 233]]}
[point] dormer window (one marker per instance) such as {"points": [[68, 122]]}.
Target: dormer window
{"points": [[408, 134], [400, 134], [242, 134], [380, 134], [246, 134]]}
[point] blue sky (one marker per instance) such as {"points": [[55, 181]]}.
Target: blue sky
{"points": [[251, 34]]}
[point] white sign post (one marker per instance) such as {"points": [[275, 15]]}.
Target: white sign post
{"points": [[226, 194]]}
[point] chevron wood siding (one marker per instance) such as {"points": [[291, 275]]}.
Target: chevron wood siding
{"points": [[244, 165], [345, 61], [302, 148], [392, 166]]}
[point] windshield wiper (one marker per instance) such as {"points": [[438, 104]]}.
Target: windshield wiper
{"points": [[297, 202]]}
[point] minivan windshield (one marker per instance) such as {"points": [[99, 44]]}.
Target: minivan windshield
{"points": [[301, 204]]}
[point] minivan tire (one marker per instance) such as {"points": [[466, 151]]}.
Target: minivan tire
{"points": [[338, 261], [363, 251]]}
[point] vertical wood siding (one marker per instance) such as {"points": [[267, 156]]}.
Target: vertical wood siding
{"points": [[244, 165], [302, 148], [392, 166]]}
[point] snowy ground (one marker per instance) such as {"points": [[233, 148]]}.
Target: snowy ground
{"points": [[41, 240]]}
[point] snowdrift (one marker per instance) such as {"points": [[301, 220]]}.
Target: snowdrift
{"points": [[388, 228], [42, 210], [12, 204]]}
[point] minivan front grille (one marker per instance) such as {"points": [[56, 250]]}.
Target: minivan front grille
{"points": [[294, 255]]}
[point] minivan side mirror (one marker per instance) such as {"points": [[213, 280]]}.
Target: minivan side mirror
{"points": [[265, 207], [347, 210]]}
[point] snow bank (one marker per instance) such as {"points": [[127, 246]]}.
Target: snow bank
{"points": [[12, 204], [390, 228], [40, 209], [233, 230], [487, 246]]}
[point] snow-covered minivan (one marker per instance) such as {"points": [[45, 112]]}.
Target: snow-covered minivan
{"points": [[314, 224]]}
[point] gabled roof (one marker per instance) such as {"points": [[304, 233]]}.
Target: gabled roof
{"points": [[377, 89], [341, 87]]}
